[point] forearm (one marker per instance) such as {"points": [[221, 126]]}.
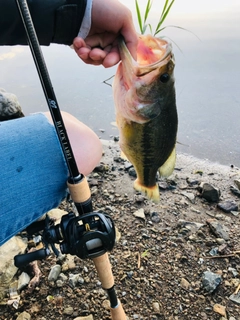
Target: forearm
{"points": [[55, 21]]}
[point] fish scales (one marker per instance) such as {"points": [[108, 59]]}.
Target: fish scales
{"points": [[148, 149], [146, 113]]}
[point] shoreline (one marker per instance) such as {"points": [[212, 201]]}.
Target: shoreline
{"points": [[182, 187], [162, 250]]}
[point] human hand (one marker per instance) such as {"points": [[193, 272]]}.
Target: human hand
{"points": [[109, 20]]}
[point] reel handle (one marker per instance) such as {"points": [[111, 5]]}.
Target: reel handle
{"points": [[23, 259]]}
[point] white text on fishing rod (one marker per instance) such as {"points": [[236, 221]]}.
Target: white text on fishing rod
{"points": [[63, 138], [52, 103]]}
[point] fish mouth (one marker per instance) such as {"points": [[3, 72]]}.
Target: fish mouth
{"points": [[139, 79], [148, 59]]}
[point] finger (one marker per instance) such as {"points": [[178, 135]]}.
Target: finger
{"points": [[131, 39], [107, 57], [79, 43], [101, 40], [112, 58], [92, 62], [83, 53], [81, 48], [97, 54], [132, 47], [90, 51]]}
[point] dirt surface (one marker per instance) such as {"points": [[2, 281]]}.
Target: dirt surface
{"points": [[159, 259]]}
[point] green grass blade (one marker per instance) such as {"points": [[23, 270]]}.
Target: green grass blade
{"points": [[139, 17], [142, 19], [164, 8], [167, 10], [163, 17], [175, 45], [144, 28], [158, 31], [150, 27], [172, 26], [148, 8]]}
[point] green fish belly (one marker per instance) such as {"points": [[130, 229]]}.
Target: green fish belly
{"points": [[148, 147]]}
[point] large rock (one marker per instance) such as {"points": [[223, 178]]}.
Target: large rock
{"points": [[210, 281], [9, 106], [8, 270], [209, 192]]}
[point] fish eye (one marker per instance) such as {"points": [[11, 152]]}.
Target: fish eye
{"points": [[164, 77]]}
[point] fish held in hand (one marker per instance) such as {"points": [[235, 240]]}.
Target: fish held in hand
{"points": [[146, 114]]}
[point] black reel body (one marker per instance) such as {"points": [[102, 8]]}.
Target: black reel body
{"points": [[87, 236]]}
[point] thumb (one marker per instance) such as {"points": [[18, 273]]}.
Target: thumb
{"points": [[131, 39]]}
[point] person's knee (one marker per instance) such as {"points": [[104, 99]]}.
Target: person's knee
{"points": [[86, 145]]}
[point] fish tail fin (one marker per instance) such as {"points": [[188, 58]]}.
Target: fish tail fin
{"points": [[151, 192]]}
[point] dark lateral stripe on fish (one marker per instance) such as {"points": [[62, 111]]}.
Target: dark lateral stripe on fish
{"points": [[149, 169]]}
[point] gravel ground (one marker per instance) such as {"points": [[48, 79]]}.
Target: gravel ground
{"points": [[162, 252]]}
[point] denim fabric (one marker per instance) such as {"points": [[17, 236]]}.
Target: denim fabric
{"points": [[33, 172]]}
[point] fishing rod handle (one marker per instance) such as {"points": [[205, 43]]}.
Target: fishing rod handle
{"points": [[104, 270], [118, 313], [81, 195], [80, 191]]}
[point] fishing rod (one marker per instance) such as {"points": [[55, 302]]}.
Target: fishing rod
{"points": [[91, 234]]}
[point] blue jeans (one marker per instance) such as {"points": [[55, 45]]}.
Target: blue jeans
{"points": [[33, 172]]}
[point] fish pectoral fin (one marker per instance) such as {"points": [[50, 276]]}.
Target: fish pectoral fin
{"points": [[151, 192], [149, 111], [167, 168]]}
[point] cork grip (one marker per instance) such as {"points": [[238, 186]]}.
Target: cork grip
{"points": [[80, 191], [118, 313], [103, 266]]}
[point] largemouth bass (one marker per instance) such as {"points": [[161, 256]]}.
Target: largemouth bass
{"points": [[146, 114]]}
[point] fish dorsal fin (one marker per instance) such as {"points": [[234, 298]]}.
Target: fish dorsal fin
{"points": [[167, 168]]}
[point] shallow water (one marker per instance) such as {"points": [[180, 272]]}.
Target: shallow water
{"points": [[207, 80]]}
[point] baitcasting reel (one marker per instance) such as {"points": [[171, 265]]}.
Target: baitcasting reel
{"points": [[87, 236]]}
